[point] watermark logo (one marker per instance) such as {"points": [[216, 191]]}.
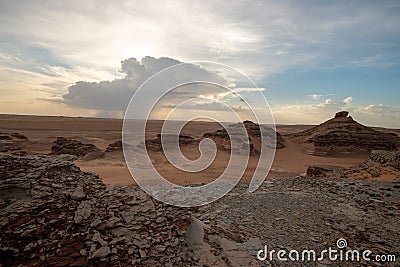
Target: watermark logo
{"points": [[342, 253], [341, 243], [197, 91]]}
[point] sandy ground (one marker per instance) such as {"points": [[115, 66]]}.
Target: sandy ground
{"points": [[42, 132]]}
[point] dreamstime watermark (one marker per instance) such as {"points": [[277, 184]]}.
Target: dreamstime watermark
{"points": [[189, 88], [332, 254]]}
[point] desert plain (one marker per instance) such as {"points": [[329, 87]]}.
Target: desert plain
{"points": [[42, 131], [68, 199]]}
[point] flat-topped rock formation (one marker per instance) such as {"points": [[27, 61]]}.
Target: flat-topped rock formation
{"points": [[381, 164], [344, 136]]}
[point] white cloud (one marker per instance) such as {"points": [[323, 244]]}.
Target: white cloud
{"points": [[316, 96], [262, 38], [51, 45], [112, 97], [348, 100]]}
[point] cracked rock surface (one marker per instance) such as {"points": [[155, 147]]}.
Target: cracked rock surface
{"points": [[53, 214]]}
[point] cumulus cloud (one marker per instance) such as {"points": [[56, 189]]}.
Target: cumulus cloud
{"points": [[112, 97]]}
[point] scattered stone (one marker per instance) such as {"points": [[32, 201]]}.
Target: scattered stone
{"points": [[380, 163], [101, 253], [78, 193], [82, 222]]}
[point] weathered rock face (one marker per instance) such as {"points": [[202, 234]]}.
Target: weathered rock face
{"points": [[325, 171], [222, 139], [116, 146], [380, 163], [388, 158], [344, 136], [341, 114], [52, 214], [12, 142], [73, 147], [156, 146]]}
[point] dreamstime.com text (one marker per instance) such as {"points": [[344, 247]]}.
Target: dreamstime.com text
{"points": [[333, 254]]}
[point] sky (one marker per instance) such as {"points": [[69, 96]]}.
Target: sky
{"points": [[309, 59]]}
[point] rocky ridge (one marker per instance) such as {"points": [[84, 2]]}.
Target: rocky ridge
{"points": [[344, 136], [76, 148], [380, 163]]}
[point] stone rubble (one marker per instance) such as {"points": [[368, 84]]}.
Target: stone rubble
{"points": [[379, 163], [302, 213], [53, 214]]}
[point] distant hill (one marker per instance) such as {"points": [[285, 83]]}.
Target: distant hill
{"points": [[342, 135]]}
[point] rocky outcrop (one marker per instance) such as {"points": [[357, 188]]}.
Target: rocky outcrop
{"points": [[342, 136], [155, 145], [12, 142], [325, 171], [115, 146], [341, 114], [52, 214], [379, 164], [222, 139], [74, 147]]}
